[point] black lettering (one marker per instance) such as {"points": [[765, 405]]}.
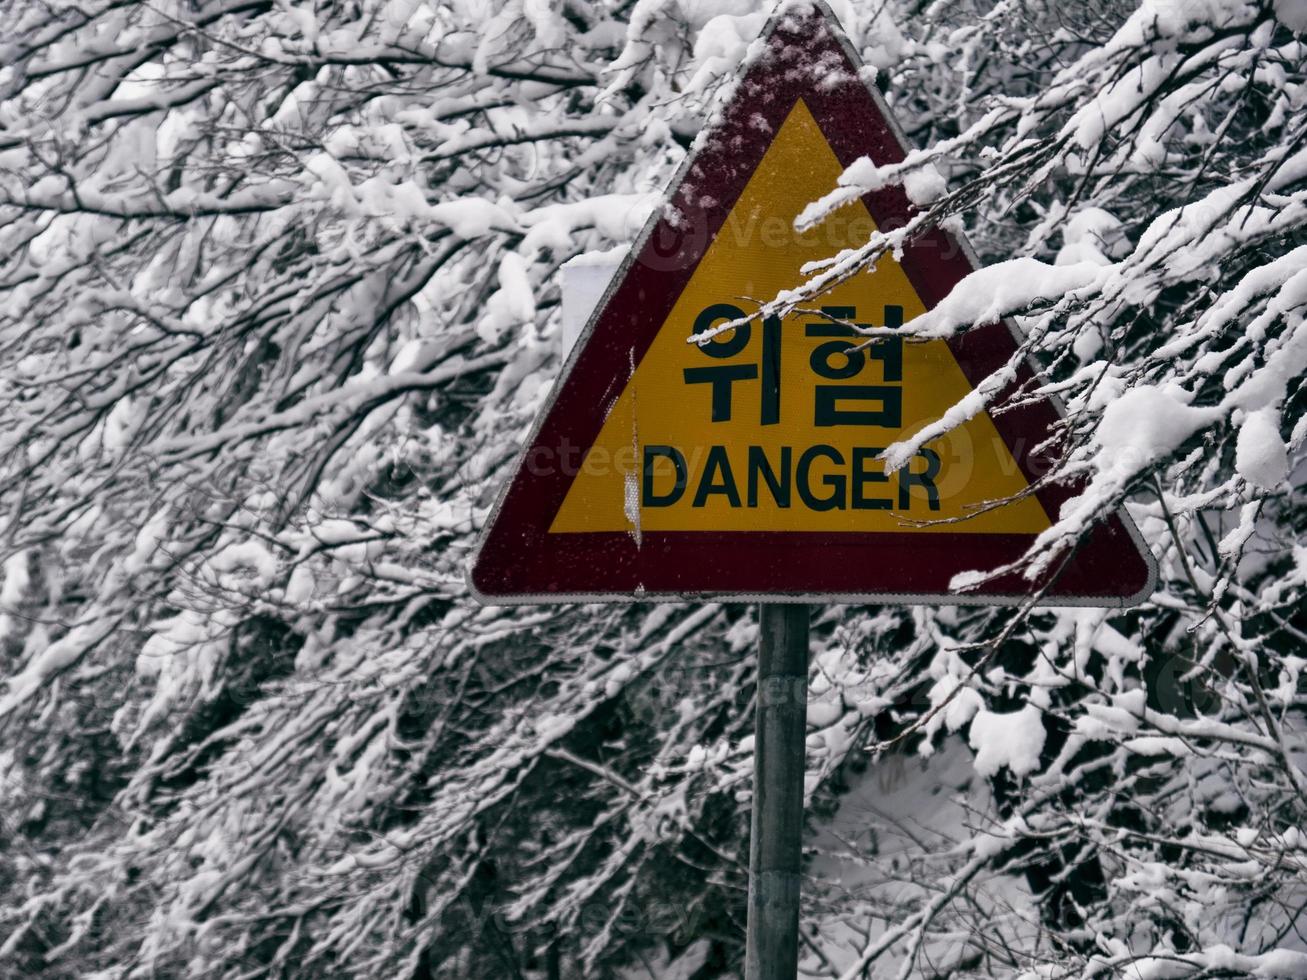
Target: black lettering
{"points": [[821, 360], [771, 370], [826, 411], [833, 480], [863, 476], [822, 364], [779, 485], [647, 496], [925, 479], [718, 462], [889, 350], [721, 378], [735, 340]]}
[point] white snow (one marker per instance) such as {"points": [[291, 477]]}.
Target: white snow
{"points": [[924, 186], [152, 535], [16, 580], [513, 304], [248, 562], [471, 217], [53, 659], [999, 290], [301, 585], [1292, 14], [868, 847], [1261, 456], [1013, 739], [1145, 423], [1090, 235], [617, 217], [722, 43]]}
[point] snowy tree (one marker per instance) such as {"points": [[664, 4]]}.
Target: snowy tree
{"points": [[278, 300]]}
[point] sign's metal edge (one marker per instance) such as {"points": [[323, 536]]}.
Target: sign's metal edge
{"points": [[783, 9], [818, 598]]}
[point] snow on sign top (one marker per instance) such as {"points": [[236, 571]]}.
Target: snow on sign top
{"points": [[747, 466]]}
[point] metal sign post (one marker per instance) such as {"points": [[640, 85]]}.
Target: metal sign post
{"points": [[775, 841]]}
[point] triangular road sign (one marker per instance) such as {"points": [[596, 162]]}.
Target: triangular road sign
{"points": [[746, 468]]}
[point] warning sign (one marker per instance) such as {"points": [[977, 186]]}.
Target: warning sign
{"points": [[748, 464]]}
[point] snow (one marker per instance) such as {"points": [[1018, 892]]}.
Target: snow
{"points": [[1144, 424], [470, 217], [53, 659], [887, 46], [683, 964], [1261, 456], [151, 537], [866, 853], [1090, 235], [247, 564], [918, 176], [924, 186], [402, 203], [1103, 721], [618, 217], [1280, 964], [631, 505], [723, 42], [16, 580], [961, 703], [513, 304], [1013, 739], [301, 585], [1292, 14], [999, 290]]}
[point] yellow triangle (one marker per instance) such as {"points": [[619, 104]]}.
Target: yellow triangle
{"points": [[771, 466]]}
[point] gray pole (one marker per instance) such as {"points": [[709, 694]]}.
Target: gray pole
{"points": [[775, 840]]}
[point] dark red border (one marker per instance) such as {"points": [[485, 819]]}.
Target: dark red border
{"points": [[518, 558]]}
